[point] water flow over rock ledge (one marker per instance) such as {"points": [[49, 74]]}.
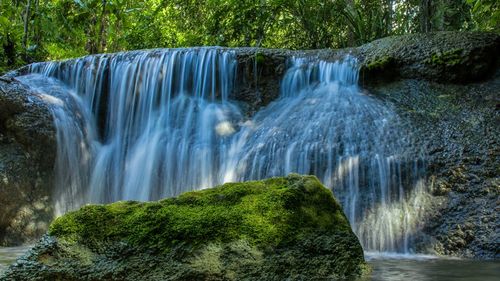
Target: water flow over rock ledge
{"points": [[457, 124], [148, 124], [288, 228]]}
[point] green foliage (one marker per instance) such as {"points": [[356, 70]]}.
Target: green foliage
{"points": [[485, 14], [266, 213], [33, 30], [366, 21], [10, 38]]}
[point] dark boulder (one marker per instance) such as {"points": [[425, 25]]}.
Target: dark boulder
{"points": [[27, 153]]}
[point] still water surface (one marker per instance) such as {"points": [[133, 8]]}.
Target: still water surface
{"points": [[385, 267], [9, 256], [430, 268]]}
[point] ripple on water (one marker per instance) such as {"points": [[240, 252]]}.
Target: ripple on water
{"points": [[396, 267], [8, 255]]}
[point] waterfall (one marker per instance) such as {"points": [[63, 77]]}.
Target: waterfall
{"points": [[151, 124], [323, 124], [160, 119]]}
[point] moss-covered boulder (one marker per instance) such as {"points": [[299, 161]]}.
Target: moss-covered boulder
{"points": [[288, 228]]}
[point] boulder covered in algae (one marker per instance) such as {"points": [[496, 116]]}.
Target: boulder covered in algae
{"points": [[288, 228]]}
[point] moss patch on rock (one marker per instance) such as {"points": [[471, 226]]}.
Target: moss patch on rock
{"points": [[260, 58], [279, 228], [266, 213], [379, 63], [447, 58], [381, 67], [440, 56]]}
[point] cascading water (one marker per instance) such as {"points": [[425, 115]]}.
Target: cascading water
{"points": [[322, 124], [156, 113], [150, 124]]}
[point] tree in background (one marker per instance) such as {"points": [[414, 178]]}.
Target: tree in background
{"points": [[34, 30], [485, 15], [10, 35]]}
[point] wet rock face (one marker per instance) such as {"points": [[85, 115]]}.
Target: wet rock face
{"points": [[458, 126], [446, 85], [258, 77], [289, 228], [27, 151]]}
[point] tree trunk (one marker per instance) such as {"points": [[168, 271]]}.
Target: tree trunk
{"points": [[426, 16], [26, 24], [92, 45], [37, 35], [388, 13], [351, 36], [9, 49], [102, 40]]}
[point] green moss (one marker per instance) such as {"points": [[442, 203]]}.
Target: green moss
{"points": [[260, 58], [448, 58], [289, 228], [380, 63], [266, 213]]}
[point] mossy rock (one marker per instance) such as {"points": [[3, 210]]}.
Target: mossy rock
{"points": [[447, 58], [381, 67], [280, 228], [380, 63], [440, 56]]}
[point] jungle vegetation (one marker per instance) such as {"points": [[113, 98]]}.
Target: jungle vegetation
{"points": [[38, 30]]}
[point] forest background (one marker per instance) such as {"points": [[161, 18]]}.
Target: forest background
{"points": [[39, 30]]}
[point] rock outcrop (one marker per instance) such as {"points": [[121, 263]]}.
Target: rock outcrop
{"points": [[458, 125], [444, 57], [288, 228], [457, 57], [27, 153]]}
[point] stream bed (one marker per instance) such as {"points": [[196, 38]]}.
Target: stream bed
{"points": [[386, 267]]}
